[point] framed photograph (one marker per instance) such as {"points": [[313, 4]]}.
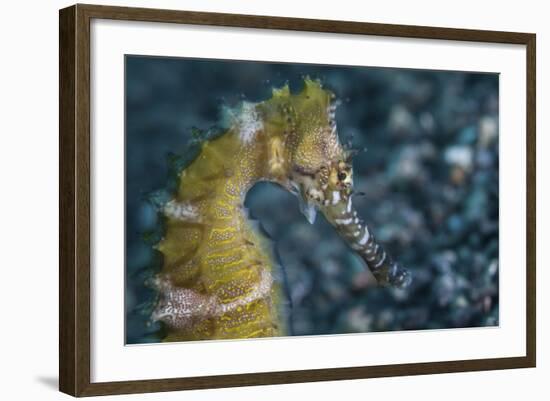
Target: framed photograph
{"points": [[251, 200]]}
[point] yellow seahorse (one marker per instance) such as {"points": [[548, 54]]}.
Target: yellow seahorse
{"points": [[217, 279]]}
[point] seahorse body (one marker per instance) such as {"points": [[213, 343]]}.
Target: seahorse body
{"points": [[218, 279]]}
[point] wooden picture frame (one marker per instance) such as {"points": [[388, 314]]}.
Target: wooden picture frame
{"points": [[74, 204]]}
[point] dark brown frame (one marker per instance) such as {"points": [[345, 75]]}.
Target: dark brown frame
{"points": [[74, 202]]}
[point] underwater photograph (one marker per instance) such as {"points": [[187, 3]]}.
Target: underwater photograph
{"points": [[270, 199]]}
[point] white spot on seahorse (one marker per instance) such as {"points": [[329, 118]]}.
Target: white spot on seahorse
{"points": [[246, 120], [309, 210], [335, 197], [260, 290], [180, 211], [343, 221], [181, 307], [365, 237], [178, 307], [382, 259], [315, 195], [307, 207]]}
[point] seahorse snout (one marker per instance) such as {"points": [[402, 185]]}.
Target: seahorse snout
{"points": [[358, 235]]}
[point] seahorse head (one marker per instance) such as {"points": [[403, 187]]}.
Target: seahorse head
{"points": [[305, 156]]}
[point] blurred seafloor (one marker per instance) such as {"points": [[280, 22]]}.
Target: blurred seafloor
{"points": [[430, 178]]}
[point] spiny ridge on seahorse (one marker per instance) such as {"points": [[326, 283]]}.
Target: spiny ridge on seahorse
{"points": [[218, 277]]}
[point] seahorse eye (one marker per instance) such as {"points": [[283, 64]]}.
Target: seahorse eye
{"points": [[342, 176]]}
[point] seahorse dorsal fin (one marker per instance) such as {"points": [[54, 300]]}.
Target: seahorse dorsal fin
{"points": [[283, 91]]}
